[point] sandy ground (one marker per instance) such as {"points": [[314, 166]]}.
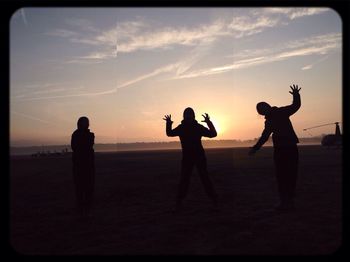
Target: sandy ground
{"points": [[134, 199]]}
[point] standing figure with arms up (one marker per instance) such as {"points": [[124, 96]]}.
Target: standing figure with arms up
{"points": [[286, 156], [190, 133]]}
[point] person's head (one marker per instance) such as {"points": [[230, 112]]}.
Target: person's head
{"points": [[263, 108], [83, 123], [189, 114]]}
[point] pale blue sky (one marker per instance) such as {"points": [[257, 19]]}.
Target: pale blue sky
{"points": [[125, 68]]}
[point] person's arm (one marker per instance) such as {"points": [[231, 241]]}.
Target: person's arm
{"points": [[294, 107], [169, 131], [211, 132], [263, 138], [92, 139], [73, 143]]}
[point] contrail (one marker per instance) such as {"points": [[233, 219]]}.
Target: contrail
{"points": [[164, 69], [32, 118], [24, 17], [307, 67], [76, 95]]}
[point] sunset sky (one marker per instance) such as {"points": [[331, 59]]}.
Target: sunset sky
{"points": [[125, 68]]}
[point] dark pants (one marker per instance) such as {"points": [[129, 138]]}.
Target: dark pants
{"points": [[286, 163], [84, 181], [186, 170]]}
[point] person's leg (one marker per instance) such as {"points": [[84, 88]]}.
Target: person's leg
{"points": [[286, 163], [280, 161], [291, 173], [90, 188], [201, 165], [79, 188], [186, 170]]}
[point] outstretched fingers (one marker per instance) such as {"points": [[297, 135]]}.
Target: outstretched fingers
{"points": [[295, 89], [167, 117], [206, 117]]}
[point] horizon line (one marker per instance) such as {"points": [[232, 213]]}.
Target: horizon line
{"points": [[159, 142]]}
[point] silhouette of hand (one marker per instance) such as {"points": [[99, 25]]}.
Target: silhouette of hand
{"points": [[252, 151], [168, 119], [295, 90], [206, 118]]}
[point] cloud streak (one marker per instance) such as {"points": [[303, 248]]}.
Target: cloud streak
{"points": [[163, 69], [24, 18], [132, 36], [293, 13], [32, 118], [319, 45], [107, 92]]}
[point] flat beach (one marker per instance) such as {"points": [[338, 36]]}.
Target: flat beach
{"points": [[135, 195]]}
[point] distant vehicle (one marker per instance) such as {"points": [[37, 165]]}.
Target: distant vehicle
{"points": [[331, 139]]}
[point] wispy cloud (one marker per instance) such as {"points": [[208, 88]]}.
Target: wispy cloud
{"points": [[248, 25], [82, 24], [163, 69], [32, 118], [179, 67], [318, 45], [62, 33], [84, 61], [293, 13], [307, 67], [132, 36], [41, 89]]}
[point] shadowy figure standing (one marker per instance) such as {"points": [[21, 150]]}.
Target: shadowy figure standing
{"points": [[286, 155], [83, 165], [190, 133]]}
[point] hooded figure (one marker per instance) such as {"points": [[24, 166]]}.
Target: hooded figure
{"points": [[83, 165], [190, 133], [285, 141]]}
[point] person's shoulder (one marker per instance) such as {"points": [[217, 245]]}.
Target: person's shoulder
{"points": [[200, 126], [272, 114], [75, 132], [274, 110]]}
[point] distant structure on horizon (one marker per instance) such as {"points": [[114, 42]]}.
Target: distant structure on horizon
{"points": [[64, 150], [330, 139], [48, 153]]}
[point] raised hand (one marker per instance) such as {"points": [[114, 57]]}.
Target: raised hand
{"points": [[206, 118], [295, 90], [168, 118]]}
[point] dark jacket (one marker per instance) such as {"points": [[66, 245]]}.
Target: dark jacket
{"points": [[82, 144], [190, 133], [278, 122]]}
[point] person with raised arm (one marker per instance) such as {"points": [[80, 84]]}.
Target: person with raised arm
{"points": [[286, 155]]}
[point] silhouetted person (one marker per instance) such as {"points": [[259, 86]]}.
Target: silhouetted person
{"points": [[285, 141], [190, 133], [83, 165]]}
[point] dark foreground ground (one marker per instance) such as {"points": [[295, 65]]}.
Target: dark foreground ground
{"points": [[135, 193]]}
